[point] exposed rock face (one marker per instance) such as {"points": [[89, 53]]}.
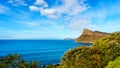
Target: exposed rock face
{"points": [[89, 36]]}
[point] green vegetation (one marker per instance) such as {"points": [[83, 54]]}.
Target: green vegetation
{"points": [[81, 57], [96, 56], [104, 53], [15, 61], [110, 46], [51, 66], [114, 64]]}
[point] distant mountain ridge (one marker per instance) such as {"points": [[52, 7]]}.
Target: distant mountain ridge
{"points": [[89, 36], [68, 39]]}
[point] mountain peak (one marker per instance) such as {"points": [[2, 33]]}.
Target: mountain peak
{"points": [[89, 36], [87, 31]]}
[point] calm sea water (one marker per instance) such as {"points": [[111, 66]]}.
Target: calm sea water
{"points": [[46, 51]]}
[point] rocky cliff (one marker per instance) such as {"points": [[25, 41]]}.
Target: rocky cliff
{"points": [[89, 36]]}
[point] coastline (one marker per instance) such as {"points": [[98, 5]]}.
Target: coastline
{"points": [[84, 42]]}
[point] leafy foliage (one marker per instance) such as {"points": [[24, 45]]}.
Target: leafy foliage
{"points": [[114, 64], [82, 57], [51, 66], [96, 56], [15, 61], [110, 46]]}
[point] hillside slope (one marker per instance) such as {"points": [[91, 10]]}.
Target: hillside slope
{"points": [[89, 36], [96, 56]]}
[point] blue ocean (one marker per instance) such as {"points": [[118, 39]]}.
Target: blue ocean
{"points": [[46, 51]]}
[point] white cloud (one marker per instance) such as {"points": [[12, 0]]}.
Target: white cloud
{"points": [[71, 10], [51, 13], [17, 2], [98, 18], [80, 24], [71, 7], [68, 8], [34, 8], [48, 11], [3, 9], [41, 2]]}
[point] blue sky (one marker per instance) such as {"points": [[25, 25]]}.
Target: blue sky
{"points": [[56, 19]]}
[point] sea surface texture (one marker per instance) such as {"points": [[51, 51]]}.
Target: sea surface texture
{"points": [[46, 51]]}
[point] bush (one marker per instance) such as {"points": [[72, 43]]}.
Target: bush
{"points": [[50, 66], [15, 61], [96, 56], [110, 46], [114, 64], [81, 57]]}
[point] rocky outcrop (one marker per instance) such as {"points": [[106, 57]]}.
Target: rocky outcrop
{"points": [[89, 36]]}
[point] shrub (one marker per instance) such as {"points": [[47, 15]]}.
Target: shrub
{"points": [[15, 61], [50, 66], [114, 64], [96, 56]]}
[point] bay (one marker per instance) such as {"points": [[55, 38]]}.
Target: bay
{"points": [[45, 51]]}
